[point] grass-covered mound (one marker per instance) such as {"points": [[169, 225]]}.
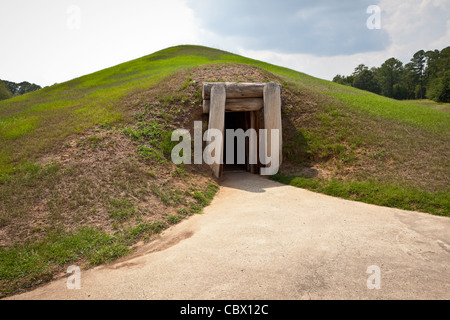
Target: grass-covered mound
{"points": [[85, 170]]}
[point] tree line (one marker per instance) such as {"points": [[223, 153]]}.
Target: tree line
{"points": [[427, 75], [10, 89], [18, 89]]}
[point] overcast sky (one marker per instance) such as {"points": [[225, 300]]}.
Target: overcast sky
{"points": [[49, 41]]}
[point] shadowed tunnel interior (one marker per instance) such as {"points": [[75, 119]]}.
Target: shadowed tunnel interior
{"points": [[234, 120]]}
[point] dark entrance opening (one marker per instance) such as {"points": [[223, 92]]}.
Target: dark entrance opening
{"points": [[233, 121], [244, 121]]}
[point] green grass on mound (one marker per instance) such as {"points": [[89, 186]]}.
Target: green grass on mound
{"points": [[32, 124]]}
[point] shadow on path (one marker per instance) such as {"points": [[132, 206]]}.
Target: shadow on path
{"points": [[248, 182]]}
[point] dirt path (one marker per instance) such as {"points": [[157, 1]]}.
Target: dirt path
{"points": [[263, 240]]}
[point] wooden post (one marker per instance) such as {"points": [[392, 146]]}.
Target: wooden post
{"points": [[272, 116], [217, 120], [248, 166], [253, 148]]}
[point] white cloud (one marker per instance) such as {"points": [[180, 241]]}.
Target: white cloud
{"points": [[326, 28], [415, 25], [320, 67], [412, 25], [38, 47]]}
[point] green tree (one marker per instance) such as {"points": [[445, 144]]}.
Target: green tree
{"points": [[347, 81], [18, 89], [439, 88], [359, 69], [400, 91], [410, 80], [365, 80], [4, 92], [432, 60], [438, 74], [426, 75], [388, 75], [417, 65]]}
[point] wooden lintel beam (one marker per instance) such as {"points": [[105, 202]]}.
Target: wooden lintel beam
{"points": [[237, 105], [236, 90]]}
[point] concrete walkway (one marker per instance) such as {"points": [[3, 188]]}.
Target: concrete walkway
{"points": [[263, 240]]}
